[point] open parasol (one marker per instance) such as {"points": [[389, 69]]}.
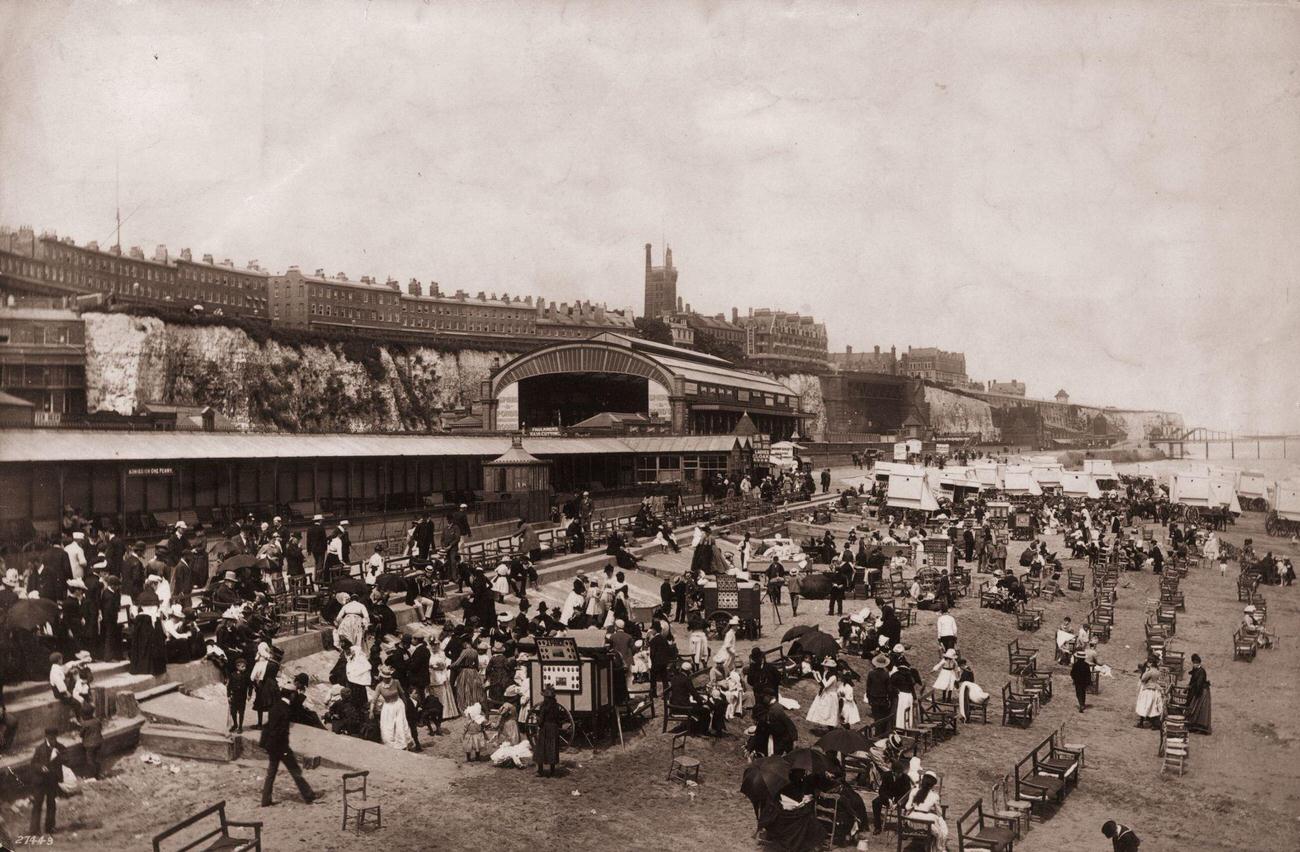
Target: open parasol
{"points": [[348, 585], [843, 741], [810, 760], [30, 613], [797, 631], [764, 778], [391, 583], [818, 644], [239, 563]]}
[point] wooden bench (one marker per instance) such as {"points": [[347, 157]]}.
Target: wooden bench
{"points": [[972, 833], [218, 838], [1016, 710], [1019, 659]]}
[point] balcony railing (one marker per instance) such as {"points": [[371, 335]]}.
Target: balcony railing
{"points": [[48, 418]]}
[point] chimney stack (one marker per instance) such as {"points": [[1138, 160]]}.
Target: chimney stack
{"points": [[207, 258], [647, 255], [413, 287], [735, 316], [137, 253], [848, 350], [185, 255], [877, 350]]}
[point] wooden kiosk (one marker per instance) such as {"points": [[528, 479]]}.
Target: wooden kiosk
{"points": [[582, 674]]}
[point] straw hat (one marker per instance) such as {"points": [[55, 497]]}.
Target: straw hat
{"points": [[900, 648], [950, 654], [880, 661], [829, 663], [1249, 608], [386, 671], [11, 577]]}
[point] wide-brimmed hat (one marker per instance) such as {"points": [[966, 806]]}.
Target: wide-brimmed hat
{"points": [[900, 648], [734, 621], [505, 616], [11, 577], [880, 661], [1249, 608], [318, 517], [386, 671], [231, 576], [950, 654], [83, 657], [829, 663]]}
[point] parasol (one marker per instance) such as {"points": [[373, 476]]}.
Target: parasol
{"points": [[348, 585], [797, 631], [238, 563], [391, 582], [810, 760], [843, 741], [764, 778], [30, 613], [223, 548], [818, 644]]}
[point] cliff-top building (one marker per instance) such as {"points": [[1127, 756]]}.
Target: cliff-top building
{"points": [[934, 365], [875, 361]]}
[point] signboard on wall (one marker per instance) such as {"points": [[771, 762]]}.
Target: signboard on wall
{"points": [[508, 408], [941, 449], [657, 404], [762, 447], [900, 452], [150, 471]]}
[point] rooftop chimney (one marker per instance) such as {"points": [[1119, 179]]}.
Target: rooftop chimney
{"points": [[207, 258], [647, 255], [679, 304], [848, 350], [320, 273], [185, 255], [93, 245], [735, 316], [877, 350], [413, 287], [137, 253], [254, 265]]}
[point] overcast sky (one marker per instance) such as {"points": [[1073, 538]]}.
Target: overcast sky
{"points": [[1103, 197]]}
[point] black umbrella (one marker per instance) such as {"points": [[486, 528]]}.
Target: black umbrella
{"points": [[810, 760], [348, 585], [818, 644], [797, 631], [239, 562], [764, 778], [222, 548], [30, 613], [391, 582], [843, 741]]}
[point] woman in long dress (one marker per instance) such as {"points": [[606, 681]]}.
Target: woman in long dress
{"points": [[849, 714], [825, 708], [549, 719], [1198, 699], [968, 691], [394, 729], [700, 652], [575, 604], [265, 678], [1150, 701], [148, 651], [468, 678], [352, 621], [946, 682], [440, 681], [923, 805]]}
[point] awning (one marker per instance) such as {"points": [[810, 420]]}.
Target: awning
{"points": [[911, 492]]}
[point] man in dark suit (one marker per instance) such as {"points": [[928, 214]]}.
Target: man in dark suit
{"points": [[708, 716], [317, 541], [114, 552], [133, 571], [275, 741], [662, 654], [47, 762]]}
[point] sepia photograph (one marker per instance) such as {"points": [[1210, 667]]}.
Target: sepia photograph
{"points": [[727, 425]]}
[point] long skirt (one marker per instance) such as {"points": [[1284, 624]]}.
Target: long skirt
{"points": [[394, 729], [903, 713], [445, 694], [1198, 713], [825, 709], [1150, 703], [548, 745], [469, 688]]}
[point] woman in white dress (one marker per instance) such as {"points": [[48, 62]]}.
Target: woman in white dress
{"points": [[728, 650], [352, 621], [1150, 704], [923, 805], [946, 682], [394, 730], [440, 682], [501, 581], [576, 602], [700, 651], [849, 714], [825, 708]]}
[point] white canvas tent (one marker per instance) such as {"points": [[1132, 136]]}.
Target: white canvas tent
{"points": [[1021, 483], [1230, 477], [911, 492], [954, 478], [1077, 484]]}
